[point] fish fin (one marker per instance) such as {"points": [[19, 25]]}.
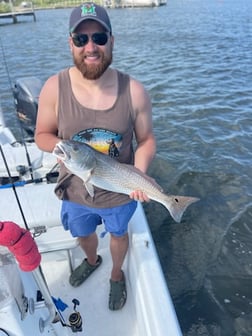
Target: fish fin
{"points": [[90, 188], [177, 205], [86, 175]]}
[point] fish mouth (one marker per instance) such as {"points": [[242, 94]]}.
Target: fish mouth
{"points": [[60, 152]]}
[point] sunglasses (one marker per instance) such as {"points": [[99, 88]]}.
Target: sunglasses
{"points": [[80, 40]]}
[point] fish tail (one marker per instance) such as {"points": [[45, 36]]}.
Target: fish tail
{"points": [[177, 205]]}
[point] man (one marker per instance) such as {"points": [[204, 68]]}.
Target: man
{"points": [[99, 105]]}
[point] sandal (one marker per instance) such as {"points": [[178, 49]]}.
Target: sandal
{"points": [[118, 294], [83, 271]]}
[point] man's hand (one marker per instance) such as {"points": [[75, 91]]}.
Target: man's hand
{"points": [[139, 195]]}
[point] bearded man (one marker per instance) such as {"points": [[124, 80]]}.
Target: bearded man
{"points": [[96, 104]]}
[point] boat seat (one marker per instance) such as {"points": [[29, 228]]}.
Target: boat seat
{"points": [[57, 239], [41, 209]]}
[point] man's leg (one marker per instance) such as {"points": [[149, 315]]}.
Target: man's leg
{"points": [[118, 291], [89, 245], [82, 223], [118, 249]]}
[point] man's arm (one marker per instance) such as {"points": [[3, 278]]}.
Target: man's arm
{"points": [[47, 124], [146, 143]]}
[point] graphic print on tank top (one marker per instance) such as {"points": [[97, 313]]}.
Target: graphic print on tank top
{"points": [[105, 141]]}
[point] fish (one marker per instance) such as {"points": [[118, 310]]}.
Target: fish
{"points": [[98, 169]]}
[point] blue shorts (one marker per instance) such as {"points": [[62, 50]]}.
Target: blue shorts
{"points": [[82, 220]]}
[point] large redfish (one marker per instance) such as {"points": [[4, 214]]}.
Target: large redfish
{"points": [[102, 171]]}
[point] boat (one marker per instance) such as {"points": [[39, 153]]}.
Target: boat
{"points": [[133, 3], [38, 299]]}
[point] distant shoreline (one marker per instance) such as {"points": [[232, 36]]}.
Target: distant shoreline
{"points": [[61, 5]]}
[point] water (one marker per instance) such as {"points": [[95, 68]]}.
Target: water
{"points": [[194, 57]]}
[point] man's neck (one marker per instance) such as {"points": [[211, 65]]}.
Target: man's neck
{"points": [[100, 83]]}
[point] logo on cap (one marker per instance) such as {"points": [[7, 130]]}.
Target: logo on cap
{"points": [[88, 9]]}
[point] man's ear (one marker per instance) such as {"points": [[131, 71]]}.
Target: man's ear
{"points": [[70, 42]]}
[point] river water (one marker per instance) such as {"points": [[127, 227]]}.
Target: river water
{"points": [[194, 57]]}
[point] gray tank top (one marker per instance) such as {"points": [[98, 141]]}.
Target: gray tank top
{"points": [[110, 131]]}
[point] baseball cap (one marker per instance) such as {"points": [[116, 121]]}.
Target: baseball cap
{"points": [[89, 11]]}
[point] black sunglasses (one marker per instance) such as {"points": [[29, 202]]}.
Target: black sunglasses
{"points": [[80, 40]]}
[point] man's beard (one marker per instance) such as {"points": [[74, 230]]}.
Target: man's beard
{"points": [[93, 71]]}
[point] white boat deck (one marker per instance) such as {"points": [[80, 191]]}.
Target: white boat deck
{"points": [[93, 297], [148, 311]]}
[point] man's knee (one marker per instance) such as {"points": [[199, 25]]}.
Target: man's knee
{"points": [[86, 238], [119, 238]]}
